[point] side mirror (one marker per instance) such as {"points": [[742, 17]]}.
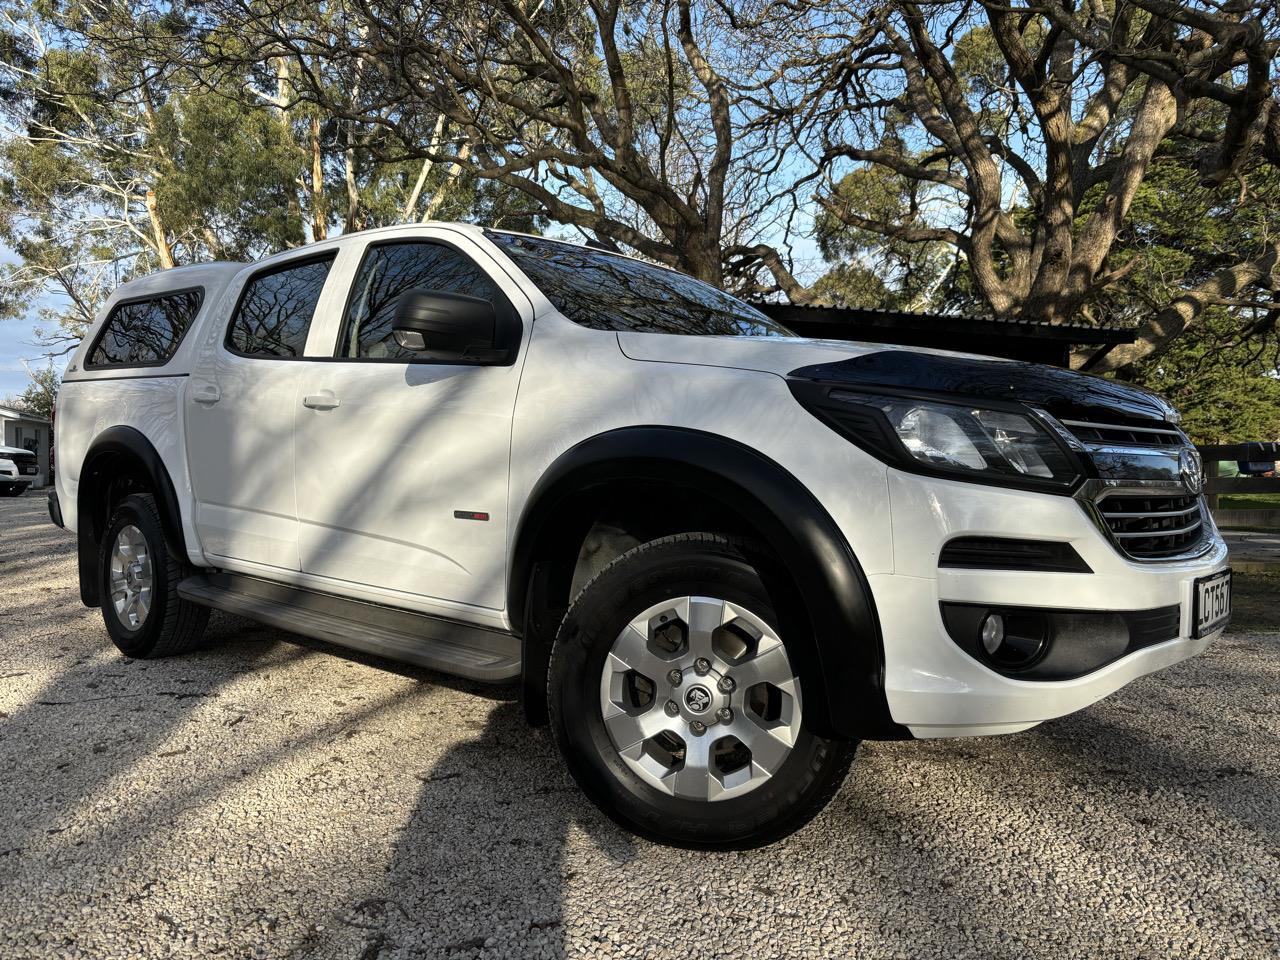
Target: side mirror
{"points": [[449, 326]]}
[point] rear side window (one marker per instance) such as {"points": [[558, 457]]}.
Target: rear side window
{"points": [[390, 269], [145, 333], [276, 308]]}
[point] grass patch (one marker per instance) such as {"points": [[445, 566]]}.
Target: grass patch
{"points": [[1255, 602], [1249, 501]]}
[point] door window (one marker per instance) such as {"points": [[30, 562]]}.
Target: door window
{"points": [[390, 269], [276, 308], [143, 333]]}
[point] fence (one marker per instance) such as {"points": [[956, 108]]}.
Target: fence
{"points": [[1215, 485]]}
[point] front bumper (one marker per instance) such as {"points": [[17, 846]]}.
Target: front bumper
{"points": [[935, 688]]}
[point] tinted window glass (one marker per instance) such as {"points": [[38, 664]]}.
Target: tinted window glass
{"points": [[145, 332], [608, 292], [388, 271], [276, 309]]}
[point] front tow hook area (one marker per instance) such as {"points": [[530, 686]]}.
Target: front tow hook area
{"points": [[55, 509]]}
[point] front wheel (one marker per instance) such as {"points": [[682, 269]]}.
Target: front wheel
{"points": [[675, 702]]}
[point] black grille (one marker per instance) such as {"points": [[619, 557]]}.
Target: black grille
{"points": [[1154, 526], [1149, 627], [1002, 553], [25, 462], [1150, 435]]}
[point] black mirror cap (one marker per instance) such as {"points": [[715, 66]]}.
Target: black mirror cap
{"points": [[453, 326]]}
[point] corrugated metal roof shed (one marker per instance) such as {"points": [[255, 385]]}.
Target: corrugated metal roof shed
{"points": [[1013, 338]]}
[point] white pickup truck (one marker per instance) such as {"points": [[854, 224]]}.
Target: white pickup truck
{"points": [[18, 470], [715, 555]]}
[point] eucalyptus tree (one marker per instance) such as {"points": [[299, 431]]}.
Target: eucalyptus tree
{"points": [[112, 166], [1019, 134], [628, 120], [119, 155]]}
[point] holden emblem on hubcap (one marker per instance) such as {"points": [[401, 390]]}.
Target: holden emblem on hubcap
{"points": [[697, 699]]}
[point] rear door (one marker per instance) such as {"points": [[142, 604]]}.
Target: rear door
{"points": [[240, 407], [402, 463]]}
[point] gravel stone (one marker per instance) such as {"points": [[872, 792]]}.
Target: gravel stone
{"points": [[273, 797]]}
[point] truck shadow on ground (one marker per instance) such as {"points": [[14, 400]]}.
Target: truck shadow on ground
{"points": [[480, 860]]}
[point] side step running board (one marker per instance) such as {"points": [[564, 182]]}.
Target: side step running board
{"points": [[465, 650]]}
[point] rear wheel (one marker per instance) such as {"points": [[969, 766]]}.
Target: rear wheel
{"points": [[140, 604], [676, 704]]}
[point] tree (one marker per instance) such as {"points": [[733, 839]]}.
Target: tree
{"points": [[113, 168], [626, 121], [118, 158], [39, 396], [1026, 131], [1226, 388], [873, 270]]}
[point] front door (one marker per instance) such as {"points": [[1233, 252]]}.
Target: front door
{"points": [[402, 463], [240, 409]]}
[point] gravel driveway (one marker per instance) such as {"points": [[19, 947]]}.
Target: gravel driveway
{"points": [[274, 797]]}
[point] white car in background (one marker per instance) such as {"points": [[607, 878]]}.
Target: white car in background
{"points": [[18, 470]]}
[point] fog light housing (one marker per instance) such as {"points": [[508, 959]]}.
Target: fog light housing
{"points": [[1012, 640], [1028, 643], [1025, 638]]}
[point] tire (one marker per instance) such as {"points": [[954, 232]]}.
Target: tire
{"points": [[169, 625], [658, 789], [14, 490]]}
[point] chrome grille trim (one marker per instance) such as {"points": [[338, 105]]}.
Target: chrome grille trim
{"points": [[1163, 532], [1147, 523], [1115, 515]]}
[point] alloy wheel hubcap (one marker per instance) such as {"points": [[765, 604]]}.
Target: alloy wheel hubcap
{"points": [[699, 698], [132, 578]]}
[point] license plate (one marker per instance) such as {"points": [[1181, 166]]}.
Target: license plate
{"points": [[31, 470], [1212, 603]]}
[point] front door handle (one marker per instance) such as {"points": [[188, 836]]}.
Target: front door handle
{"points": [[324, 400], [207, 395]]}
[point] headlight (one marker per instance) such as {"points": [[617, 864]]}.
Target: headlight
{"points": [[1000, 446]]}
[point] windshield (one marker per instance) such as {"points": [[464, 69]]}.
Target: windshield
{"points": [[606, 291]]}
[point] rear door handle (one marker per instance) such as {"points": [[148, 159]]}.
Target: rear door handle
{"points": [[325, 400], [208, 395]]}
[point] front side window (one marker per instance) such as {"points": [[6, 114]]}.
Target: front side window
{"points": [[276, 309], [145, 332], [606, 291], [391, 269]]}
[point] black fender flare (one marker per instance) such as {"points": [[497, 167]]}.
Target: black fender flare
{"points": [[844, 656], [128, 442]]}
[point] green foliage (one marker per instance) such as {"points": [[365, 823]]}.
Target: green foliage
{"points": [[1249, 501], [228, 175], [117, 160], [872, 270], [1225, 387], [1180, 232], [852, 285]]}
